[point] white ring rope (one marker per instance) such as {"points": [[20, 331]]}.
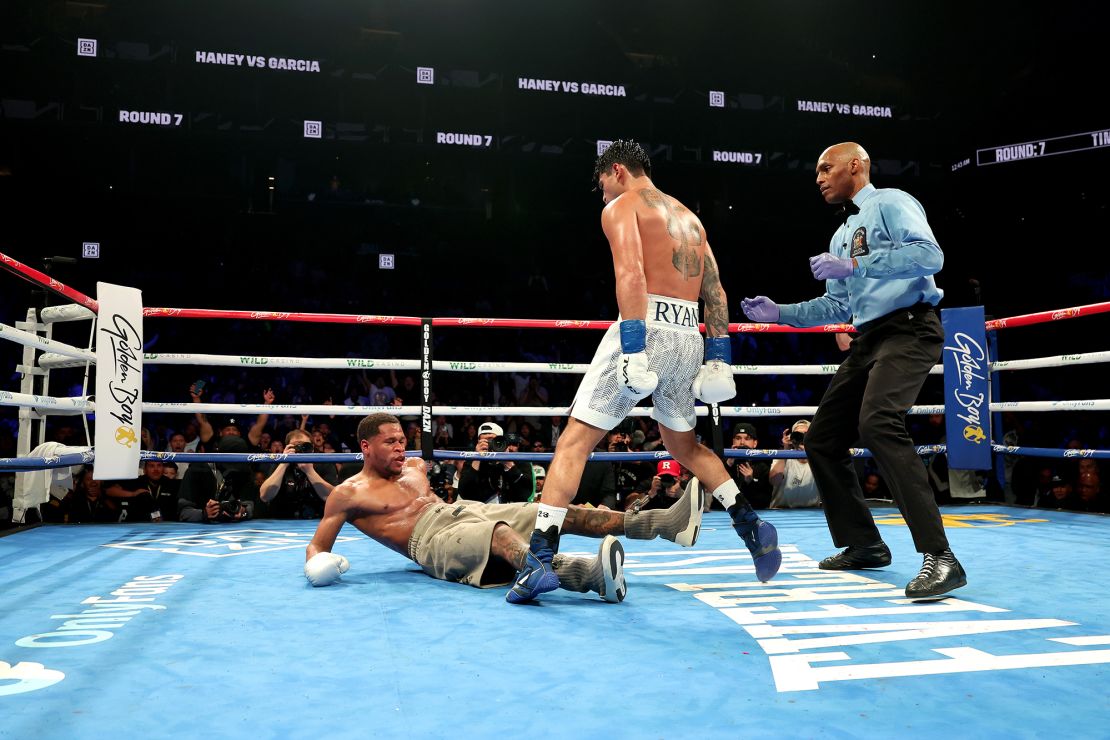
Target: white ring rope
{"points": [[1087, 358], [1035, 363], [82, 405], [27, 339], [1101, 404], [66, 356], [318, 363], [462, 366], [65, 406], [55, 361], [68, 312], [800, 369]]}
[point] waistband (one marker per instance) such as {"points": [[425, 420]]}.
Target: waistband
{"points": [[673, 313], [422, 523], [908, 311]]}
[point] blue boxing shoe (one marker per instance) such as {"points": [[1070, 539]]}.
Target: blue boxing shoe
{"points": [[538, 575], [762, 540]]}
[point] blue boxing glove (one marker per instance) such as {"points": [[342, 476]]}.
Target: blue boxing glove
{"points": [[760, 309], [632, 371], [826, 267], [714, 382]]}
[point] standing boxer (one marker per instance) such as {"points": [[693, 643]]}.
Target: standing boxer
{"points": [[663, 264]]}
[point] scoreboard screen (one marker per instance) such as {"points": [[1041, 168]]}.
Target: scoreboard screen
{"points": [[1043, 148]]}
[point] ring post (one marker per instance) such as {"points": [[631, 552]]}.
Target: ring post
{"points": [[426, 441], [998, 433], [715, 430], [966, 389]]}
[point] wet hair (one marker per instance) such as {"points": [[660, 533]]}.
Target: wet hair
{"points": [[369, 426], [628, 153]]}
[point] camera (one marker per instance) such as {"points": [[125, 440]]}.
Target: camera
{"points": [[667, 480], [620, 447], [500, 444], [228, 495], [303, 447], [440, 477], [797, 439]]}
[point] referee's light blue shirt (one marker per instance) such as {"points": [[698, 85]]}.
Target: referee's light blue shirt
{"points": [[896, 256]]}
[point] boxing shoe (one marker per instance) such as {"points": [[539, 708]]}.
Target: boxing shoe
{"points": [[680, 523], [854, 557], [538, 574], [686, 515], [939, 574], [761, 539], [611, 557], [604, 575]]}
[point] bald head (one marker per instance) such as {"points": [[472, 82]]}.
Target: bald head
{"points": [[842, 170], [847, 151]]}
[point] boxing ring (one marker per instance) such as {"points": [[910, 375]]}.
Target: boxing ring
{"points": [[174, 629]]}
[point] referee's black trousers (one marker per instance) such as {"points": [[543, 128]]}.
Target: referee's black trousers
{"points": [[867, 402]]}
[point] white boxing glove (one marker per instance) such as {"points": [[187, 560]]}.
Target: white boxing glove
{"points": [[635, 377], [714, 382], [324, 568], [344, 563], [632, 370]]}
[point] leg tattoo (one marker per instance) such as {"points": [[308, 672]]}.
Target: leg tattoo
{"points": [[593, 522], [509, 546]]}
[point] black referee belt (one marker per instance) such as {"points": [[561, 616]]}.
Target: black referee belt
{"points": [[906, 312]]}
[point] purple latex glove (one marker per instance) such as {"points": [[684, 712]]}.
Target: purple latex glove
{"points": [[760, 309], [827, 267]]}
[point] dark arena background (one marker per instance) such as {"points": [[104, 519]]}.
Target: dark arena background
{"points": [[434, 159]]}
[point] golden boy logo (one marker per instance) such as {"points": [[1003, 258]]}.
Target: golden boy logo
{"points": [[125, 436], [974, 434]]}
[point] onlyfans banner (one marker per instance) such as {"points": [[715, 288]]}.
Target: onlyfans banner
{"points": [[966, 389], [119, 381]]}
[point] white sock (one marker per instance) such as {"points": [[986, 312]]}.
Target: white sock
{"points": [[726, 493], [550, 516]]}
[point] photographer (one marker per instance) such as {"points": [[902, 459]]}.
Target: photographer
{"points": [[217, 500], [626, 474], [753, 476], [496, 482], [298, 491], [441, 479], [665, 485], [793, 480], [665, 488]]}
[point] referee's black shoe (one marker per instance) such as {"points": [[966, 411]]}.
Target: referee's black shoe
{"points": [[940, 573], [857, 558]]}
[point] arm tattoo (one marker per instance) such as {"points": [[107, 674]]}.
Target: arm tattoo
{"points": [[593, 522], [716, 309], [682, 228]]}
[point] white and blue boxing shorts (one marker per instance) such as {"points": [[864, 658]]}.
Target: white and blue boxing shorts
{"points": [[674, 352]]}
